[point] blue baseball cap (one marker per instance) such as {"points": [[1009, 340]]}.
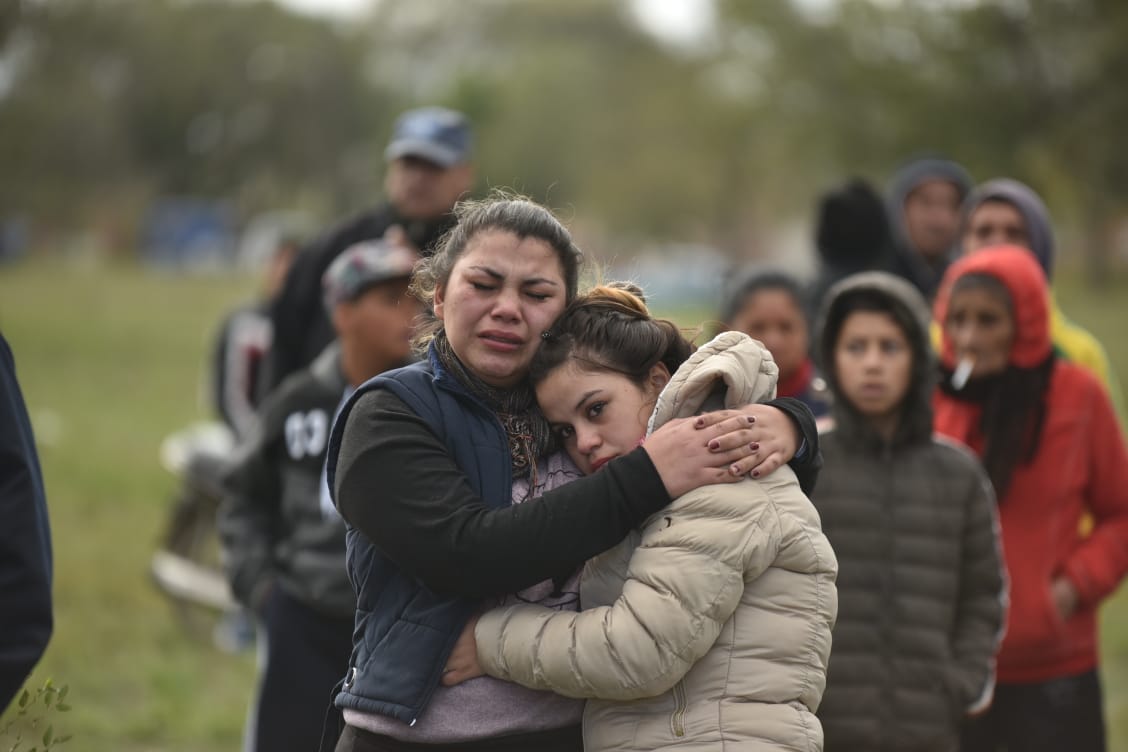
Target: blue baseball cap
{"points": [[435, 134]]}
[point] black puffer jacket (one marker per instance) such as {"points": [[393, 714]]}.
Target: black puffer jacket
{"points": [[920, 587]]}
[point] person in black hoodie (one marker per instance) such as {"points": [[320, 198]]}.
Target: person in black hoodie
{"points": [[429, 169], [25, 540], [851, 235], [283, 541]]}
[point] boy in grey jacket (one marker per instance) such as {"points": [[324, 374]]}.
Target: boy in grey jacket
{"points": [[912, 519]]}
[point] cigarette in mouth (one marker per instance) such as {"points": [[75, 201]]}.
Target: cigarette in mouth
{"points": [[962, 373]]}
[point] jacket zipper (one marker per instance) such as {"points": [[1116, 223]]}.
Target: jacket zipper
{"points": [[677, 720]]}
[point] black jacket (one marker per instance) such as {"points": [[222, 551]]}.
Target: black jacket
{"points": [[273, 523], [25, 540], [300, 322]]}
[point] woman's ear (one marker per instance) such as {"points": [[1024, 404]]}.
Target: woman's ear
{"points": [[658, 378], [437, 301]]}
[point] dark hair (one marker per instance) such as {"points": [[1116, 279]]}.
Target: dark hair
{"points": [[610, 329], [852, 227], [756, 280], [1014, 402], [503, 213]]}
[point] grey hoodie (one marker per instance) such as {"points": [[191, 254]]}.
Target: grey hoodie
{"points": [[1035, 215], [907, 263]]}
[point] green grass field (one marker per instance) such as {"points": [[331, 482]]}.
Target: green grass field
{"points": [[111, 361]]}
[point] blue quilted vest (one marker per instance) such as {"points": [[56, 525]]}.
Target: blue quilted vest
{"points": [[404, 632]]}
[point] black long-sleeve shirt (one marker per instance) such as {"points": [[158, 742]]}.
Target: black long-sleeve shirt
{"points": [[398, 485]]}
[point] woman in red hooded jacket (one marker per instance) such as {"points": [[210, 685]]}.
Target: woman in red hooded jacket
{"points": [[1049, 439]]}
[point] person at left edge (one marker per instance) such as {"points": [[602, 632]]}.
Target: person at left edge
{"points": [[25, 540], [283, 542]]}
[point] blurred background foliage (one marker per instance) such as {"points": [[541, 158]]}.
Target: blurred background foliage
{"points": [[720, 133], [720, 136]]}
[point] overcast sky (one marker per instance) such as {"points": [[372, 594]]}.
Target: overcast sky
{"points": [[675, 19]]}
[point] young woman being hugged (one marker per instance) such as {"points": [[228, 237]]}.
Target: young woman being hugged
{"points": [[1049, 439], [709, 625], [912, 520]]}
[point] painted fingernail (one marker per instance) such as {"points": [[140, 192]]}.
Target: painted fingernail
{"points": [[699, 422], [734, 469], [755, 473], [753, 446], [751, 418], [714, 444]]}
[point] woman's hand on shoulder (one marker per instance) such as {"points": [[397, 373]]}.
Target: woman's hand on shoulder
{"points": [[692, 452], [771, 436]]}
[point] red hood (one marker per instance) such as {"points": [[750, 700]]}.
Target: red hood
{"points": [[1024, 279]]}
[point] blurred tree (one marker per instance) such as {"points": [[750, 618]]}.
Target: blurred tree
{"points": [[105, 103], [112, 103]]}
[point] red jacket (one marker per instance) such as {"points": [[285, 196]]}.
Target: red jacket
{"points": [[1081, 467]]}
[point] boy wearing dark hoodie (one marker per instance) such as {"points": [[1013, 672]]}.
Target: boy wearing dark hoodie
{"points": [[912, 520], [924, 202]]}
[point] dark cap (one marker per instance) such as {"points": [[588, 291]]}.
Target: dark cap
{"points": [[363, 265], [435, 134]]}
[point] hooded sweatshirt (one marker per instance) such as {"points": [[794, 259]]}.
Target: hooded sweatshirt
{"points": [[852, 235], [709, 627], [907, 262], [1073, 342], [1080, 466], [921, 589]]}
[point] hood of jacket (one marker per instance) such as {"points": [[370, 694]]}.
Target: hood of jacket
{"points": [[912, 314], [1021, 274], [1035, 215], [732, 369], [906, 180]]}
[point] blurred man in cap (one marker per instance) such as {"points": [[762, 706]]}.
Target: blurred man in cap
{"points": [[283, 542], [428, 169]]}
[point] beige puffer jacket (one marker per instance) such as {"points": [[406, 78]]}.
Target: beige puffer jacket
{"points": [[708, 628]]}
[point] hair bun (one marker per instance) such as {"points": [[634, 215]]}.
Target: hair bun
{"points": [[626, 294]]}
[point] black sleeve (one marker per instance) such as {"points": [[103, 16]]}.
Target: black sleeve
{"points": [[293, 313], [25, 541], [301, 325], [807, 465], [249, 513], [397, 484], [219, 372]]}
